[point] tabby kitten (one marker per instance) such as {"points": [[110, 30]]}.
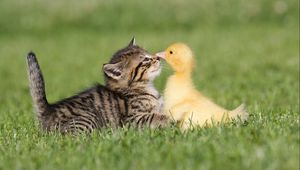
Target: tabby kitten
{"points": [[128, 97]]}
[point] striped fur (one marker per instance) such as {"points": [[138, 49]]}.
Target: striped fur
{"points": [[138, 69], [37, 85], [93, 108], [128, 98]]}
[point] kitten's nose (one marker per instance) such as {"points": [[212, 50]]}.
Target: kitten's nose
{"points": [[161, 55]]}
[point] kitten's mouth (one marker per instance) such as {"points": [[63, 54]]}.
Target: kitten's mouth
{"points": [[157, 64], [156, 70]]}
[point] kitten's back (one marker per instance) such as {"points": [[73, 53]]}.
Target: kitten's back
{"points": [[93, 108]]}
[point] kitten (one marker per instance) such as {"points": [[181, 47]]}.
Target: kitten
{"points": [[128, 97]]}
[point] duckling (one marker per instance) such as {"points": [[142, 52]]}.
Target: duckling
{"points": [[183, 102]]}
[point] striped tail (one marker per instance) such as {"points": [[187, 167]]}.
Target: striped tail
{"points": [[37, 85], [239, 113]]}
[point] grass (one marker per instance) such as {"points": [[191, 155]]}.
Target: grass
{"points": [[246, 52]]}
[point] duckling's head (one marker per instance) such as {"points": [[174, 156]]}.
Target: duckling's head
{"points": [[179, 56]]}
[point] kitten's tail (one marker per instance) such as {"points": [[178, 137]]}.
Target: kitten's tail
{"points": [[239, 113], [37, 85]]}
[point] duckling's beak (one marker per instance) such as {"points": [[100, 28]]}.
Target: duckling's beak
{"points": [[161, 55]]}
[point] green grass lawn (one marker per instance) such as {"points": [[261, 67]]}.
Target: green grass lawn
{"points": [[247, 51]]}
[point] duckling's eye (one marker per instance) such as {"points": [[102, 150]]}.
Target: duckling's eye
{"points": [[171, 52]]}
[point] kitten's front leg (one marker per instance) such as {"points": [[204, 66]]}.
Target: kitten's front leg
{"points": [[151, 120], [158, 121]]}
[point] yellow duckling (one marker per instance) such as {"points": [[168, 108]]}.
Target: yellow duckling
{"points": [[183, 102]]}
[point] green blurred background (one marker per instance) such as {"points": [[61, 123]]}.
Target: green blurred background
{"points": [[247, 51], [261, 37]]}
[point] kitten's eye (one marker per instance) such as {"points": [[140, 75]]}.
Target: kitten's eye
{"points": [[171, 52]]}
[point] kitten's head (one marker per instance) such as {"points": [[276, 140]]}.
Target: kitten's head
{"points": [[131, 65]]}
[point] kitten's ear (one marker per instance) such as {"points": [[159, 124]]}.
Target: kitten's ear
{"points": [[132, 42], [113, 71]]}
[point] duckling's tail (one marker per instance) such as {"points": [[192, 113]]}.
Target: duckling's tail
{"points": [[239, 113]]}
